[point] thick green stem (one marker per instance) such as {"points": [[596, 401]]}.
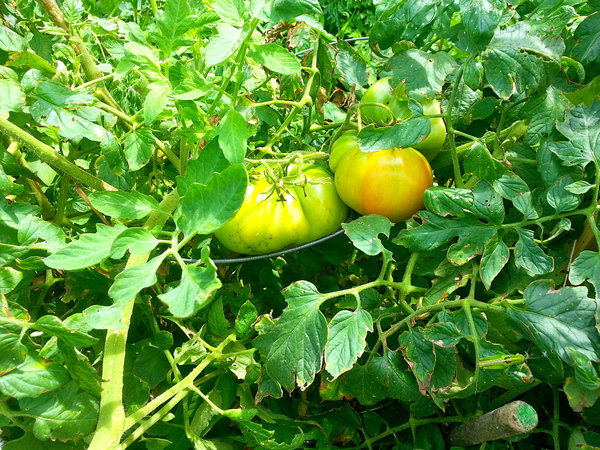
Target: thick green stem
{"points": [[48, 155], [111, 421]]}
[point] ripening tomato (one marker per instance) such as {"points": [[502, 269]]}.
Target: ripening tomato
{"points": [[382, 92], [272, 218], [388, 182]]}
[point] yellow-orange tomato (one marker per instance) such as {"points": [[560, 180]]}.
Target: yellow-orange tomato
{"points": [[387, 182]]}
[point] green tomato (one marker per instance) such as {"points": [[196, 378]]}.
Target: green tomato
{"points": [[388, 182], [382, 92], [272, 218]]}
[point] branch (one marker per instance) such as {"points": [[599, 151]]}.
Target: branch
{"points": [[509, 420]]}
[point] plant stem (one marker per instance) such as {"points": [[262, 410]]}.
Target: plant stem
{"points": [[48, 155], [111, 420]]}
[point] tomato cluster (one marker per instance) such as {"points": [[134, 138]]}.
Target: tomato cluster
{"points": [[276, 215]]}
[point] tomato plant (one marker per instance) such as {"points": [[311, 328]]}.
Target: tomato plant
{"points": [[388, 182], [279, 213], [397, 108]]}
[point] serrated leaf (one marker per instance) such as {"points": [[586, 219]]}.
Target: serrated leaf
{"points": [[558, 320], [139, 145], [135, 240], [436, 231], [222, 45], [351, 66], [364, 232], [444, 201], [531, 36], [124, 205], [32, 378], [172, 25], [487, 204], [560, 198], [53, 326], [293, 346], [156, 101], [582, 129], [471, 243], [275, 58], [206, 207], [495, 256], [419, 354], [480, 163], [211, 160], [63, 414], [529, 255], [404, 134], [88, 250], [245, 318], [193, 292], [424, 73], [587, 36], [346, 341], [480, 19], [510, 71], [586, 267], [60, 95], [233, 136], [11, 41], [126, 286]]}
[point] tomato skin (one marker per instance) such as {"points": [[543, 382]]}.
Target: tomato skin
{"points": [[382, 92], [268, 221], [388, 182]]}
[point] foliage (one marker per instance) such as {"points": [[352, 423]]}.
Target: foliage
{"points": [[128, 130]]}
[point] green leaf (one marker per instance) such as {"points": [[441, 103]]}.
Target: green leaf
{"points": [[222, 45], [12, 98], [560, 198], [586, 267], [364, 233], [12, 350], [293, 346], [156, 101], [558, 320], [445, 201], [63, 414], [436, 231], [126, 286], [80, 369], [60, 95], [424, 73], [582, 129], [346, 341], [480, 19], [286, 10], [531, 36], [419, 354], [139, 145], [494, 258], [32, 378], [53, 326], [529, 256], [587, 39], [88, 250], [30, 442], [172, 25], [585, 372], [404, 134], [480, 163], [233, 136], [211, 160], [471, 242], [487, 204], [9, 279], [350, 65], [275, 58], [245, 318], [70, 126], [135, 240], [206, 207], [193, 292], [124, 205], [11, 41], [510, 71]]}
